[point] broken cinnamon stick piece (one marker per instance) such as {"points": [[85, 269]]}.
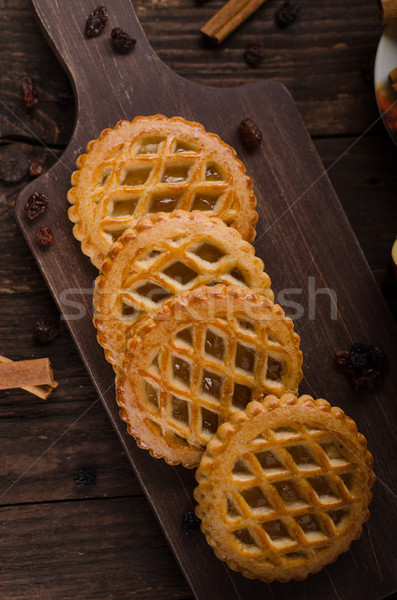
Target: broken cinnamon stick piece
{"points": [[387, 11], [230, 16], [34, 376]]}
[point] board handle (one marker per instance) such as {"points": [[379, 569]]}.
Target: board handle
{"points": [[93, 63]]}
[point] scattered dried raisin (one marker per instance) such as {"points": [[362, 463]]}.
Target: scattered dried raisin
{"points": [[358, 355], [365, 366], [45, 332], [96, 22], [36, 205], [254, 53], [190, 524], [250, 134], [287, 14], [36, 168], [122, 42], [29, 92], [377, 359], [84, 477], [44, 236], [377, 377], [343, 364]]}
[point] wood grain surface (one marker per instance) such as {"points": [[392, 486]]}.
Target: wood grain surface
{"points": [[33, 426]]}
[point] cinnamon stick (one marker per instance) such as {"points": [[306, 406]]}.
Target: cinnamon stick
{"points": [[230, 16], [34, 376], [387, 11]]}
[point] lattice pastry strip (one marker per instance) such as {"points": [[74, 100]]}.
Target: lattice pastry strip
{"points": [[193, 353], [284, 487], [150, 165], [161, 257]]}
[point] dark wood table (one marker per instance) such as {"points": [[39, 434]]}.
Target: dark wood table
{"points": [[59, 540]]}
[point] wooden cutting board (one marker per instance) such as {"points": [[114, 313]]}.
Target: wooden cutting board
{"points": [[306, 243]]}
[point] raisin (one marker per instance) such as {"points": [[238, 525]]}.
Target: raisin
{"points": [[190, 524], [377, 377], [367, 69], [250, 134], [44, 236], [377, 359], [84, 477], [358, 356], [122, 42], [29, 92], [96, 22], [343, 364], [36, 168], [254, 53], [45, 332], [287, 14], [36, 205], [364, 365]]}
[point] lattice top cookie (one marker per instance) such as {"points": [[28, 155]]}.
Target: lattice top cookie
{"points": [[162, 256], [284, 487], [204, 355], [150, 165]]}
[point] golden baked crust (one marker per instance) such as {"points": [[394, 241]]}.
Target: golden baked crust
{"points": [[204, 355], [284, 487], [155, 164], [162, 256]]}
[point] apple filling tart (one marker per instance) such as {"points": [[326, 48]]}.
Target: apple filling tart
{"points": [[202, 356], [161, 257], [284, 487], [155, 164]]}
